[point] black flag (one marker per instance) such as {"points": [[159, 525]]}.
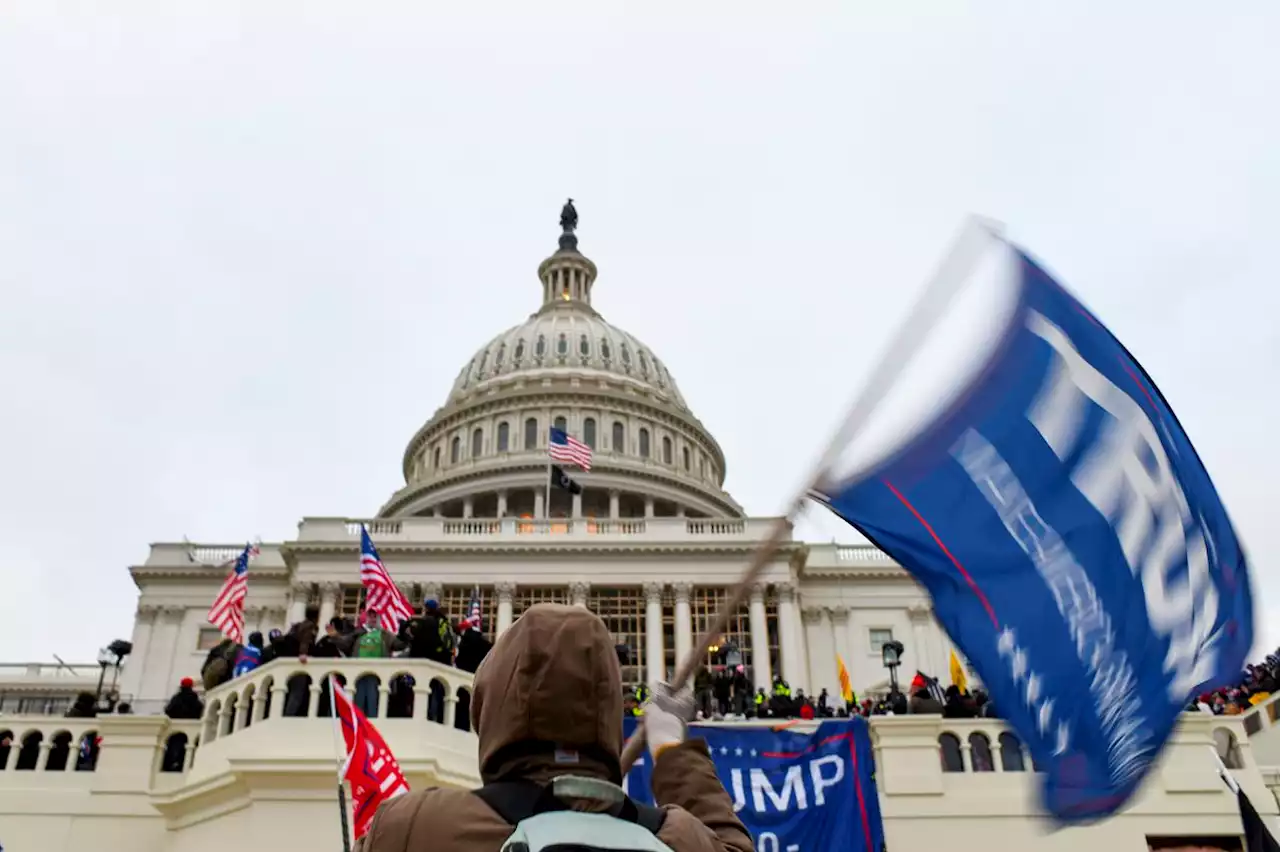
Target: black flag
{"points": [[1256, 836], [560, 479]]}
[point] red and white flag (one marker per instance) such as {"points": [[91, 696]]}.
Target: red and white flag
{"points": [[370, 767]]}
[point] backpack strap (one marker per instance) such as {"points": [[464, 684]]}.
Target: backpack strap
{"points": [[517, 801]]}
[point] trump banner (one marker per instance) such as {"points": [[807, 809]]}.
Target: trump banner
{"points": [[1073, 544], [796, 791]]}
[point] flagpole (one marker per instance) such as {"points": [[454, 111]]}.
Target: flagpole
{"points": [[547, 509], [974, 238], [341, 748]]}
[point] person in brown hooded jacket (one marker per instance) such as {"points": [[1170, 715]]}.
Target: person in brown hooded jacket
{"points": [[548, 703]]}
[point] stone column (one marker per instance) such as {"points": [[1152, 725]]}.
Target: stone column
{"points": [[760, 667], [539, 510], [684, 622], [576, 512], [502, 504], [811, 620], [506, 592], [578, 592], [298, 605], [653, 650], [648, 507], [169, 622], [143, 625], [613, 505], [328, 601], [919, 651], [789, 639], [842, 644], [468, 507]]}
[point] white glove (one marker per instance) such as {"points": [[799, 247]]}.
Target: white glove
{"points": [[667, 715]]}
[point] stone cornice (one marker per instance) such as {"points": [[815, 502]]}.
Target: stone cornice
{"points": [[201, 572], [622, 549]]}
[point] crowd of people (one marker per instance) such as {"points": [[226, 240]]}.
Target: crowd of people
{"points": [[1260, 681]]}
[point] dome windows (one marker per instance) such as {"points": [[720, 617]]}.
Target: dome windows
{"points": [[561, 424], [504, 436], [589, 430], [666, 450], [584, 346], [644, 364], [685, 450], [531, 433], [626, 355], [484, 360], [644, 443], [455, 450], [477, 443], [619, 437], [604, 350], [435, 462], [540, 349], [562, 345], [502, 353], [519, 353]]}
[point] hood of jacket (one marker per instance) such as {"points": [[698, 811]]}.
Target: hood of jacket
{"points": [[548, 699]]}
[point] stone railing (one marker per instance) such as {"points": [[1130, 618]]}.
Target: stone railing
{"points": [[32, 671], [33, 746], [461, 530], [395, 688]]}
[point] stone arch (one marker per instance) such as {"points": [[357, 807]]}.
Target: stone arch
{"points": [[87, 752], [1228, 748], [229, 710], [29, 753], [980, 752], [462, 709], [297, 694], [175, 753], [212, 713], [368, 687], [6, 746], [400, 700], [1011, 759], [246, 702], [949, 749], [59, 751], [437, 689], [262, 705]]}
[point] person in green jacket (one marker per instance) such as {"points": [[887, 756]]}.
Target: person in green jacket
{"points": [[372, 642]]}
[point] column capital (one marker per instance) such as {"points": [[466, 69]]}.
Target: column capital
{"points": [[786, 591], [330, 587], [173, 611], [147, 611], [300, 588], [812, 614], [432, 591], [919, 613], [407, 589], [757, 592], [578, 590], [839, 615], [505, 590], [683, 591], [653, 592]]}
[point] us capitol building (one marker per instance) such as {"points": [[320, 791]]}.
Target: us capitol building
{"points": [[651, 544]]}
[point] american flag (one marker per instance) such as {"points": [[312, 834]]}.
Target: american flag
{"points": [[936, 692], [472, 621], [569, 450], [227, 612], [370, 767], [381, 595]]}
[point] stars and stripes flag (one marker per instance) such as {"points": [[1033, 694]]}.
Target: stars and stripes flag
{"points": [[227, 612], [472, 621], [567, 449], [369, 767], [381, 595]]}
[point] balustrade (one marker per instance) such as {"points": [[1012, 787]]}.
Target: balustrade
{"points": [[45, 744]]}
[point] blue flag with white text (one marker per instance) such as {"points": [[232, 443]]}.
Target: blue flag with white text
{"points": [[795, 791], [1074, 547]]}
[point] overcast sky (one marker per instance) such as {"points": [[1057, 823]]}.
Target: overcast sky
{"points": [[246, 247]]}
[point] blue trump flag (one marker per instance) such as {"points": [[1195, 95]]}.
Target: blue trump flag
{"points": [[795, 791], [1074, 547]]}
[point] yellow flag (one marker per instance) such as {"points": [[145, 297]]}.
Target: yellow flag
{"points": [[957, 673], [846, 685]]}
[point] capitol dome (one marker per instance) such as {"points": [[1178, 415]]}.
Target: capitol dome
{"points": [[483, 454]]}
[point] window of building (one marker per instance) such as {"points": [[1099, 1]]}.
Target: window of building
{"points": [[619, 437], [477, 443], [455, 450], [519, 353], [562, 424], [589, 432], [584, 346], [456, 602], [540, 348], [702, 467], [351, 601], [562, 345], [666, 450], [436, 459], [644, 443], [623, 612], [208, 638], [626, 354], [502, 353], [604, 349], [704, 604], [484, 360], [527, 597], [504, 436], [531, 433], [685, 451], [644, 365], [879, 636]]}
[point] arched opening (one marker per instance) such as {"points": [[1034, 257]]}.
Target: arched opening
{"points": [[666, 450], [980, 752], [436, 459], [175, 753], [435, 702], [619, 437], [58, 752], [6, 746], [400, 698], [29, 754], [540, 348], [949, 747], [561, 424], [477, 443], [367, 688], [212, 712], [1228, 749], [455, 450], [1011, 759], [531, 433], [462, 710], [298, 695], [504, 436], [229, 709], [589, 432], [87, 752], [644, 443], [685, 451]]}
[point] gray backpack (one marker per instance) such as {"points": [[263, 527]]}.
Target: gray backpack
{"points": [[544, 823]]}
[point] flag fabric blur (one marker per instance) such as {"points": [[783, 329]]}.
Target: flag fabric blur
{"points": [[472, 619], [958, 677], [929, 685], [227, 612], [846, 685], [1257, 837], [381, 595], [562, 480], [1074, 546], [567, 449], [369, 767]]}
